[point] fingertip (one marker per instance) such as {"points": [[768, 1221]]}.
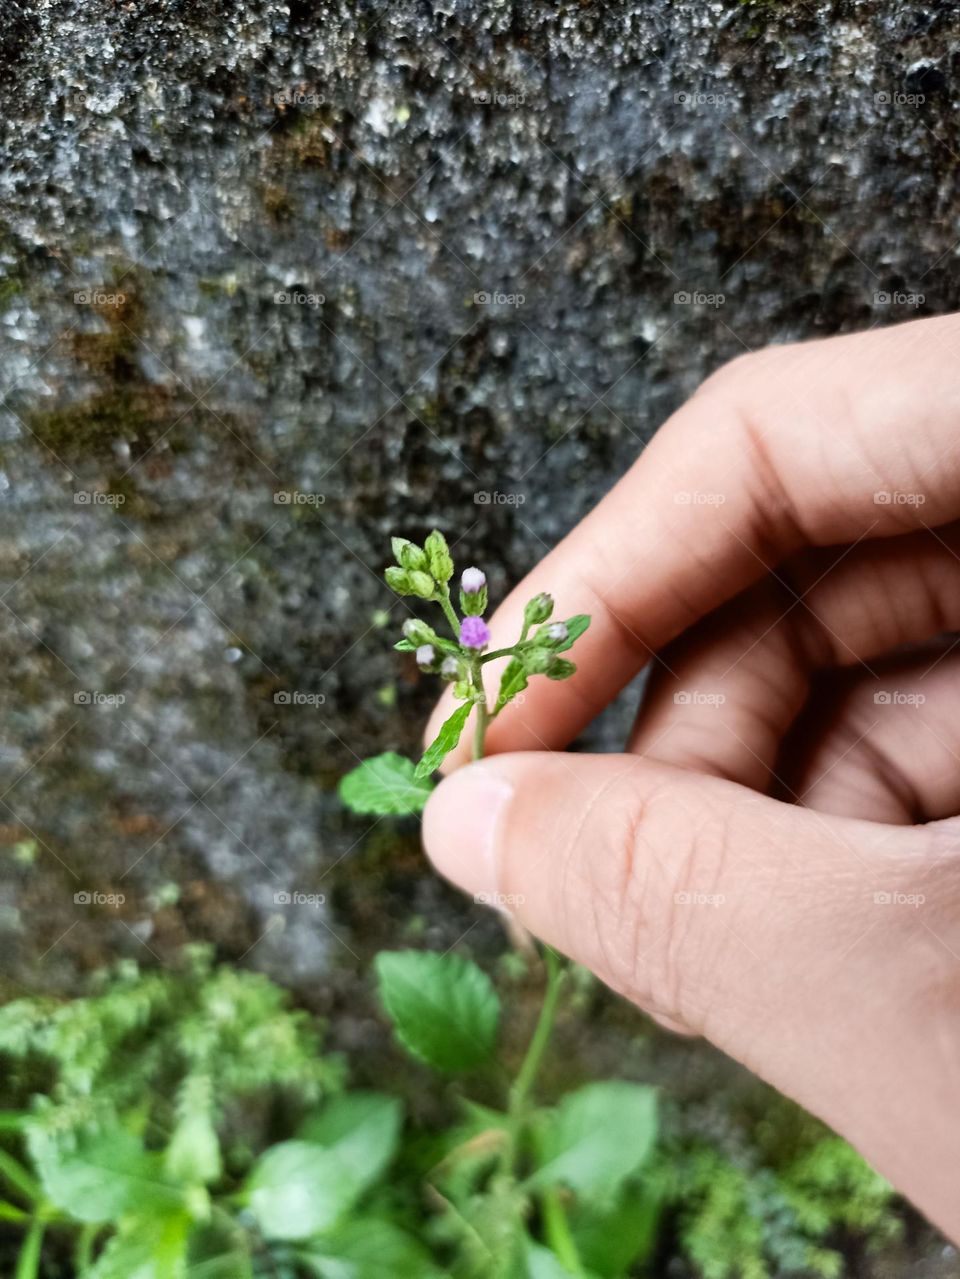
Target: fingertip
{"points": [[460, 827]]}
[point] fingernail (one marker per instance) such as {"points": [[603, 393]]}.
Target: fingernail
{"points": [[460, 828]]}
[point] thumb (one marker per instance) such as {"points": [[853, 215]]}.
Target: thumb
{"points": [[804, 945]]}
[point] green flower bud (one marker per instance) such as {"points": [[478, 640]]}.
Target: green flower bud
{"points": [[538, 610], [451, 669], [407, 554], [398, 580], [537, 661], [438, 557], [462, 690], [421, 584], [418, 632], [473, 603]]}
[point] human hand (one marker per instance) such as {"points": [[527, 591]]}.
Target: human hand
{"points": [[774, 863]]}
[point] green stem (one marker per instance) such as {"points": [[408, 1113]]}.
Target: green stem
{"points": [[498, 652], [527, 1073], [444, 601], [556, 1229], [28, 1262], [83, 1254], [482, 714]]}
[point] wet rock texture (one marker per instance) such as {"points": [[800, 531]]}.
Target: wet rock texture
{"points": [[280, 279]]}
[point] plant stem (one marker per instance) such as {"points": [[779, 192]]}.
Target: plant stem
{"points": [[444, 601], [498, 652], [28, 1262], [541, 1035], [483, 716], [556, 1228]]}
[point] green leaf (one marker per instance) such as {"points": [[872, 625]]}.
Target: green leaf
{"points": [[146, 1248], [367, 1249], [541, 1263], [106, 1176], [596, 1138], [298, 1189], [405, 646], [443, 1007], [219, 1251], [512, 681], [385, 784], [444, 742], [611, 1240], [560, 668], [363, 1128]]}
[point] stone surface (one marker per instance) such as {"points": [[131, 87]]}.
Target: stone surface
{"points": [[382, 261]]}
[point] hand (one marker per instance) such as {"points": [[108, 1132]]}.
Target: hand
{"points": [[774, 862]]}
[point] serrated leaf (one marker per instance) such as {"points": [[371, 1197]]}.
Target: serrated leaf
{"points": [[444, 742], [107, 1176], [512, 681], [385, 784], [596, 1138], [443, 1007]]}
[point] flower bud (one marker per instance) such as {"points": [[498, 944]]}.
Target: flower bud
{"points": [[426, 656], [536, 661], [408, 555], [398, 580], [418, 632], [560, 668], [450, 668], [538, 609], [472, 580], [421, 584], [439, 562], [557, 632], [474, 633]]}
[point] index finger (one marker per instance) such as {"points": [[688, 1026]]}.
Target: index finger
{"points": [[813, 444]]}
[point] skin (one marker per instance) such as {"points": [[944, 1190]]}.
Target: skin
{"points": [[774, 860]]}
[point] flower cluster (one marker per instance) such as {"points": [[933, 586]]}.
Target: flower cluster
{"points": [[426, 573]]}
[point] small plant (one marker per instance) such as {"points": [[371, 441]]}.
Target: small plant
{"points": [[389, 783]]}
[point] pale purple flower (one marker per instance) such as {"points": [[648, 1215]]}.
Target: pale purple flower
{"points": [[450, 668], [557, 632], [472, 581], [425, 655], [474, 633]]}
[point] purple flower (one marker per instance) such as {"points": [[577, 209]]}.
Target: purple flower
{"points": [[472, 580], [474, 633]]}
